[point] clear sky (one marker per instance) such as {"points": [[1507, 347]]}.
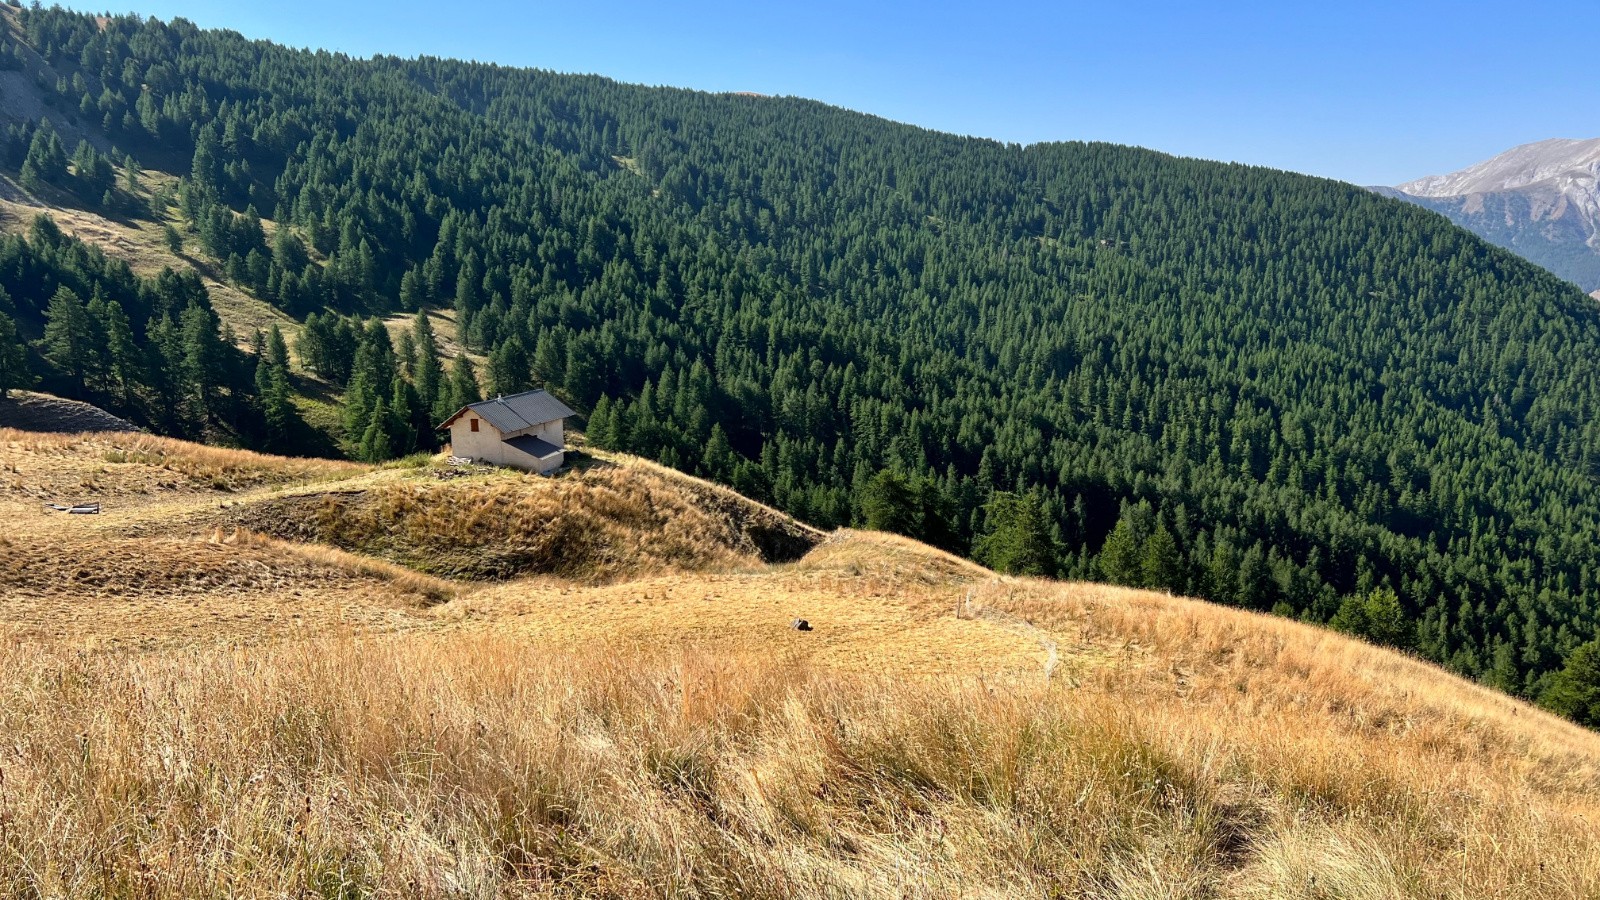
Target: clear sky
{"points": [[1368, 92]]}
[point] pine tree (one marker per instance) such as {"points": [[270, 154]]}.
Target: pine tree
{"points": [[463, 388], [205, 358], [169, 379], [509, 368], [14, 372], [46, 162], [277, 410], [468, 300], [1015, 537], [1162, 565], [377, 440], [597, 430], [428, 375], [1574, 691], [68, 342], [549, 358], [889, 504], [720, 460], [277, 350], [1256, 588], [371, 376], [124, 362], [205, 171], [1376, 616], [413, 291], [583, 380], [92, 172], [1122, 555], [409, 427]]}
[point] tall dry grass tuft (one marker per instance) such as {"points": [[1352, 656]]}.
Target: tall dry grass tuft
{"points": [[482, 767]]}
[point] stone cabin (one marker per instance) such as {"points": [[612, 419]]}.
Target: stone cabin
{"points": [[524, 431]]}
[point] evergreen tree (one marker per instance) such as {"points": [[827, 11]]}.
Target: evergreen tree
{"points": [[889, 505], [1162, 565], [1122, 555], [428, 375], [278, 413], [205, 359], [371, 379], [463, 386], [277, 350], [1016, 537], [509, 368], [124, 361], [46, 162], [1574, 691], [377, 438], [1376, 616], [409, 427], [14, 372], [720, 461], [598, 430], [68, 342], [169, 379], [413, 291]]}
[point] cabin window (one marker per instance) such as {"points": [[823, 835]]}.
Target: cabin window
{"points": [[474, 424]]}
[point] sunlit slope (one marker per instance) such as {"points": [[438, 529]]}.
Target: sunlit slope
{"points": [[357, 728]]}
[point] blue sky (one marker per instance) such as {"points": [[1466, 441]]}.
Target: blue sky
{"points": [[1373, 93]]}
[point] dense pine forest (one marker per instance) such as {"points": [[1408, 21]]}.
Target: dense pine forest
{"points": [[1081, 360]]}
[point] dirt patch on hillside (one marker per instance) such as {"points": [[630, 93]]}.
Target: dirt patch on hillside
{"points": [[28, 411]]}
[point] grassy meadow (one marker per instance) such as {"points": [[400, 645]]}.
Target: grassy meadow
{"points": [[189, 708]]}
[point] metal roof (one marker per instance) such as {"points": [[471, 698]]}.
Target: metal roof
{"points": [[518, 411], [534, 447]]}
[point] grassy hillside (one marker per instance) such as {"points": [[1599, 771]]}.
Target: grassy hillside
{"points": [[195, 711]]}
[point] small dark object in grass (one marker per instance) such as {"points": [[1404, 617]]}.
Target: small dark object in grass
{"points": [[800, 625]]}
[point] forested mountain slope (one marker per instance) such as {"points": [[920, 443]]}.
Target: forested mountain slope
{"points": [[1078, 359]]}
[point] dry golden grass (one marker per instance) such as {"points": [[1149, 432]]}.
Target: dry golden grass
{"points": [[484, 766], [139, 575], [135, 469], [595, 523], [101, 589], [878, 604], [219, 713]]}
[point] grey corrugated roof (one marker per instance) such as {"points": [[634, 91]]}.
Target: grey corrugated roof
{"points": [[534, 447], [518, 411]]}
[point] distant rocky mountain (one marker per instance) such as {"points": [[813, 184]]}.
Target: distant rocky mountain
{"points": [[1541, 200]]}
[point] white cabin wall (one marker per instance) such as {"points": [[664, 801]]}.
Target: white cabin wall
{"points": [[487, 445], [483, 444]]}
